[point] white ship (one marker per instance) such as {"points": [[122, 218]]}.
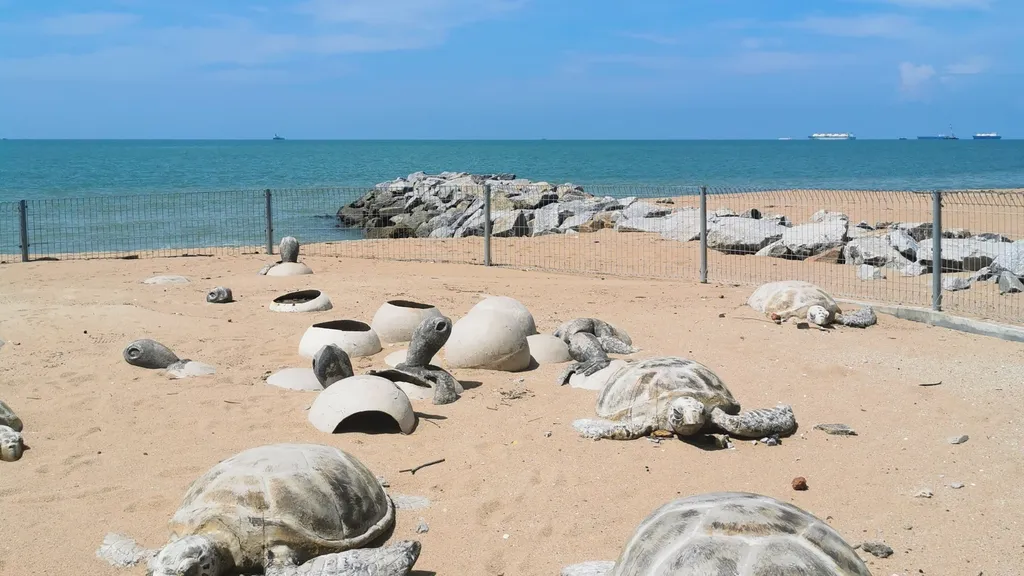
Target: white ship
{"points": [[833, 136]]}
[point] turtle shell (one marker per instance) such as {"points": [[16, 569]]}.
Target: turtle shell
{"points": [[307, 499], [735, 533], [790, 299], [640, 391]]}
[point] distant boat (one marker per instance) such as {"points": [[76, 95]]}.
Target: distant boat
{"points": [[832, 136], [949, 136], [987, 136], [276, 137], [785, 138], [902, 137]]}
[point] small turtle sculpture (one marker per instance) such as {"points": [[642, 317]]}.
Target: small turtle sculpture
{"points": [[428, 338], [289, 249], [148, 353], [279, 510], [11, 443], [219, 295], [795, 299], [676, 395], [331, 364], [734, 533], [589, 341]]}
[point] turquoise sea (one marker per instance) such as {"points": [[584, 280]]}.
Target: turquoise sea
{"points": [[123, 195]]}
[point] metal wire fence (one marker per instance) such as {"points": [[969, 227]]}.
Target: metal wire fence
{"points": [[871, 245]]}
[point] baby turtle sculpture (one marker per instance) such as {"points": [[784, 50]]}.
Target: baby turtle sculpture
{"points": [[590, 340], [676, 395], [331, 364], [795, 299], [289, 264], [427, 340], [219, 295], [736, 533], [11, 442], [279, 510], [147, 353]]}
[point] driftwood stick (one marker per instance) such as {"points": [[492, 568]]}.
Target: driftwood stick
{"points": [[413, 470]]}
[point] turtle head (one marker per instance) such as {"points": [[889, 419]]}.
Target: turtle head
{"points": [[686, 416], [188, 556], [427, 340], [330, 364], [818, 315]]}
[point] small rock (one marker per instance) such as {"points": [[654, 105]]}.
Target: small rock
{"points": [[1009, 284], [956, 485], [799, 483], [925, 493], [836, 429], [771, 440], [547, 434], [955, 283], [422, 527], [869, 272], [877, 549], [959, 439]]}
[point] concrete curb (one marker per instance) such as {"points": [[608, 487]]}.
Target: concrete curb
{"points": [[944, 320]]}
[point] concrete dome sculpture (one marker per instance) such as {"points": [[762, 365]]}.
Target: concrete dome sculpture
{"points": [[548, 349], [510, 306], [302, 301], [356, 338], [361, 394], [396, 320], [289, 264], [330, 364], [489, 338]]}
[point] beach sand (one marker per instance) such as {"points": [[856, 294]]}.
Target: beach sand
{"points": [[114, 447]]}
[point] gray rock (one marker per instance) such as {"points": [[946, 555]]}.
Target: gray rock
{"points": [[575, 221], [913, 269], [962, 254], [925, 493], [535, 199], [877, 549], [869, 272], [726, 213], [956, 485], [737, 235], [955, 283], [836, 429], [874, 251], [1011, 257], [992, 237], [422, 527], [442, 232], [776, 249], [514, 224], [903, 243], [959, 439], [645, 210], [826, 215], [917, 230], [753, 213], [1009, 283], [547, 220], [810, 239]]}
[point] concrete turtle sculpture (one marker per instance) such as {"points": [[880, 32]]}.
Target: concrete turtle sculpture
{"points": [[590, 340], [279, 510], [427, 340], [795, 299], [676, 395], [331, 364], [735, 533], [11, 443]]}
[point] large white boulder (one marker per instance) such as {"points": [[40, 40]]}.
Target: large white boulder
{"points": [[356, 338], [490, 339], [547, 349], [510, 306]]}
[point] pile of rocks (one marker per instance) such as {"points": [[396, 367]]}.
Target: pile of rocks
{"points": [[451, 205]]}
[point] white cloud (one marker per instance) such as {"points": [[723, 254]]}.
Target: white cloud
{"points": [[87, 24], [975, 65], [867, 26], [421, 14], [914, 76]]}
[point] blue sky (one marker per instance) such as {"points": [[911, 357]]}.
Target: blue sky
{"points": [[509, 68]]}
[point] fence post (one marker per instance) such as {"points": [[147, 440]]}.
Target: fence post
{"points": [[704, 234], [487, 224], [936, 250], [23, 225], [270, 221]]}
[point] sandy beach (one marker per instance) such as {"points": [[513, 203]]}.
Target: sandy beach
{"points": [[113, 447]]}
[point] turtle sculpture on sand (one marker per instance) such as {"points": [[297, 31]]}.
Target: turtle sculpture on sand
{"points": [[331, 364], [670, 394], [427, 340], [795, 299], [279, 510], [734, 533], [590, 341], [11, 443]]}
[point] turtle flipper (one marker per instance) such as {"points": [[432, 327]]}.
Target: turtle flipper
{"points": [[393, 560], [446, 387], [587, 368], [756, 423], [860, 319], [593, 568], [595, 428], [613, 345], [121, 551]]}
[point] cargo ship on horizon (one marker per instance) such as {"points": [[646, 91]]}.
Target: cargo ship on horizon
{"points": [[950, 136], [832, 136], [987, 136]]}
